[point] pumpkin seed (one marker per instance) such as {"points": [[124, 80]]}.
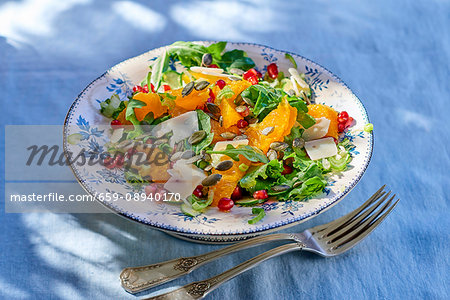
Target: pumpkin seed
{"points": [[241, 108], [280, 188], [124, 144], [224, 165], [213, 108], [208, 168], [207, 59], [298, 183], [176, 156], [214, 117], [236, 71], [240, 137], [238, 100], [201, 85], [206, 157], [221, 121], [193, 159], [187, 154], [252, 121], [267, 130], [211, 180], [248, 101], [298, 143], [228, 135], [234, 78], [187, 89], [197, 137], [272, 154], [278, 146], [160, 141]]}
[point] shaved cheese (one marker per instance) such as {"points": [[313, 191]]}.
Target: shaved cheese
{"points": [[318, 130], [182, 127], [297, 78], [116, 135], [216, 158], [322, 148], [294, 85], [184, 178], [208, 70]]}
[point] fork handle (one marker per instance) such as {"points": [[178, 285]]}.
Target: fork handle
{"points": [[199, 289], [137, 279]]}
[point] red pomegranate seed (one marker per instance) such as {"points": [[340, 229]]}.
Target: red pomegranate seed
{"points": [[211, 95], [245, 113], [343, 114], [137, 88], [119, 160], [237, 193], [342, 120], [242, 123], [131, 152], [341, 127], [225, 204], [213, 66], [272, 70], [287, 170], [250, 73], [349, 122], [116, 124], [109, 162], [166, 87], [152, 88], [253, 80], [145, 89], [221, 83], [261, 194], [198, 192]]}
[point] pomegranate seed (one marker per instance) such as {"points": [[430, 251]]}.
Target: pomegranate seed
{"points": [[198, 192], [152, 88], [349, 122], [341, 127], [109, 162], [245, 113], [221, 83], [213, 66], [287, 170], [116, 124], [225, 204], [145, 89], [272, 70], [119, 160], [131, 152], [166, 87], [137, 88], [242, 123], [250, 73], [237, 193], [211, 95], [342, 120], [253, 80], [343, 114], [261, 194]]}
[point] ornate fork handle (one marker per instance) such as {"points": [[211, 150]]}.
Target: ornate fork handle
{"points": [[199, 289], [137, 279]]}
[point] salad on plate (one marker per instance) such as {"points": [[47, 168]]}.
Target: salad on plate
{"points": [[207, 125]]}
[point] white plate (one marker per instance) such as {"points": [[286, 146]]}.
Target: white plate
{"points": [[212, 226]]}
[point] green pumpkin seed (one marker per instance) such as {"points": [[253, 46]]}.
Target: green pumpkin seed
{"points": [[278, 146], [241, 108], [272, 154], [298, 143], [187, 154], [267, 130], [207, 59], [208, 168], [193, 159], [213, 108], [240, 137], [280, 188], [234, 78], [211, 180], [228, 135], [187, 89], [298, 183], [201, 85], [248, 101], [197, 137], [214, 117], [238, 100], [236, 71], [224, 165]]}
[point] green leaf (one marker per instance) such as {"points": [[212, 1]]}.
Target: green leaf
{"points": [[204, 122], [131, 106], [291, 59], [274, 168], [308, 188], [236, 59], [305, 119], [260, 214], [226, 92], [249, 180], [188, 53], [265, 99], [112, 106], [251, 153], [168, 100], [159, 67], [216, 50]]}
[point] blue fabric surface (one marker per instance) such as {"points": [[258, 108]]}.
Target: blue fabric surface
{"points": [[393, 54]]}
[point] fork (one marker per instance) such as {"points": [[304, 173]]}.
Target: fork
{"points": [[327, 240]]}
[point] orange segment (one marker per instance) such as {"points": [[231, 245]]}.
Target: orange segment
{"points": [[324, 111], [210, 78], [192, 101], [154, 105], [230, 178], [229, 114], [218, 130], [282, 119], [122, 119]]}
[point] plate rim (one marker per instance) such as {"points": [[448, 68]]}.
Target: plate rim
{"points": [[176, 230]]}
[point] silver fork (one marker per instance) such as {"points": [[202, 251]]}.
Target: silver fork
{"points": [[326, 240]]}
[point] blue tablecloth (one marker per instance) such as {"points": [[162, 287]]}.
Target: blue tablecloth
{"points": [[393, 54]]}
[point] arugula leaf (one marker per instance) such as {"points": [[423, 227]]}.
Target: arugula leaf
{"points": [[265, 99], [216, 50], [249, 180], [160, 66], [259, 211], [236, 59], [112, 106], [251, 153], [274, 168], [135, 180], [308, 188], [188, 53], [168, 100], [291, 59], [226, 92], [205, 124], [130, 116]]}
